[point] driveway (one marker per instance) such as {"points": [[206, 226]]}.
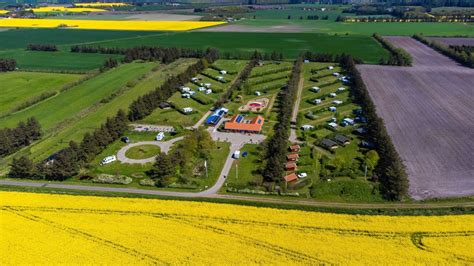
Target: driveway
{"points": [[165, 147]]}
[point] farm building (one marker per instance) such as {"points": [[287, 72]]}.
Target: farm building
{"points": [[290, 178], [293, 157], [342, 139], [238, 123], [215, 117], [294, 148], [307, 127], [164, 105], [291, 166], [328, 144]]}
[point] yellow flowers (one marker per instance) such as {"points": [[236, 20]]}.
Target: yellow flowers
{"points": [[107, 24], [51, 229], [46, 9], [100, 4]]}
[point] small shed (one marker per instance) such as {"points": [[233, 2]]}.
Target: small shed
{"points": [[164, 105], [328, 144], [294, 148], [342, 139], [290, 178], [291, 166], [293, 157]]}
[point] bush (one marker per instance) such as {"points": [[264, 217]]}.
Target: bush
{"points": [[112, 179], [147, 182]]}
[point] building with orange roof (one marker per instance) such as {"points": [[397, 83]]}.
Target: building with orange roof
{"points": [[294, 148], [292, 157], [290, 166], [239, 123], [290, 178]]}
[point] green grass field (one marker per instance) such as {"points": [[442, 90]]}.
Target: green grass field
{"points": [[142, 151], [20, 87], [290, 44], [56, 61], [367, 28]]}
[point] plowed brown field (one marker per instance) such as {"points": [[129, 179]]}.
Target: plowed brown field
{"points": [[428, 110], [453, 41]]}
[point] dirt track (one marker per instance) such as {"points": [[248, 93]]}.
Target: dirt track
{"points": [[245, 28], [429, 112], [453, 41]]}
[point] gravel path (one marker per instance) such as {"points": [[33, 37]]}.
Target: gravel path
{"points": [[165, 146]]}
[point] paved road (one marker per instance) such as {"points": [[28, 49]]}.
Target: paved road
{"points": [[201, 121], [165, 146], [241, 198]]}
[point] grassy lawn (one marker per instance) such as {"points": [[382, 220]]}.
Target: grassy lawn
{"points": [[138, 171], [244, 171], [142, 151], [20, 87], [56, 61]]}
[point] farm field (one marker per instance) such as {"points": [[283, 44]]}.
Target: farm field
{"points": [[351, 28], [96, 113], [21, 87], [107, 24], [104, 230], [453, 41], [290, 44], [56, 61], [434, 95]]}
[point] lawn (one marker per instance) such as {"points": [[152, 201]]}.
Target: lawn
{"points": [[56, 61], [20, 87], [143, 151], [245, 170]]}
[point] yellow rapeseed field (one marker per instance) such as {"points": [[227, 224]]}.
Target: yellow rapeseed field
{"points": [[3, 11], [51, 229], [107, 24], [46, 9], [98, 4]]}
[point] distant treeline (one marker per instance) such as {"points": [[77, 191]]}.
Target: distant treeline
{"points": [[7, 64], [277, 144], [244, 74], [398, 56], [390, 169], [13, 139], [42, 47], [460, 55]]}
